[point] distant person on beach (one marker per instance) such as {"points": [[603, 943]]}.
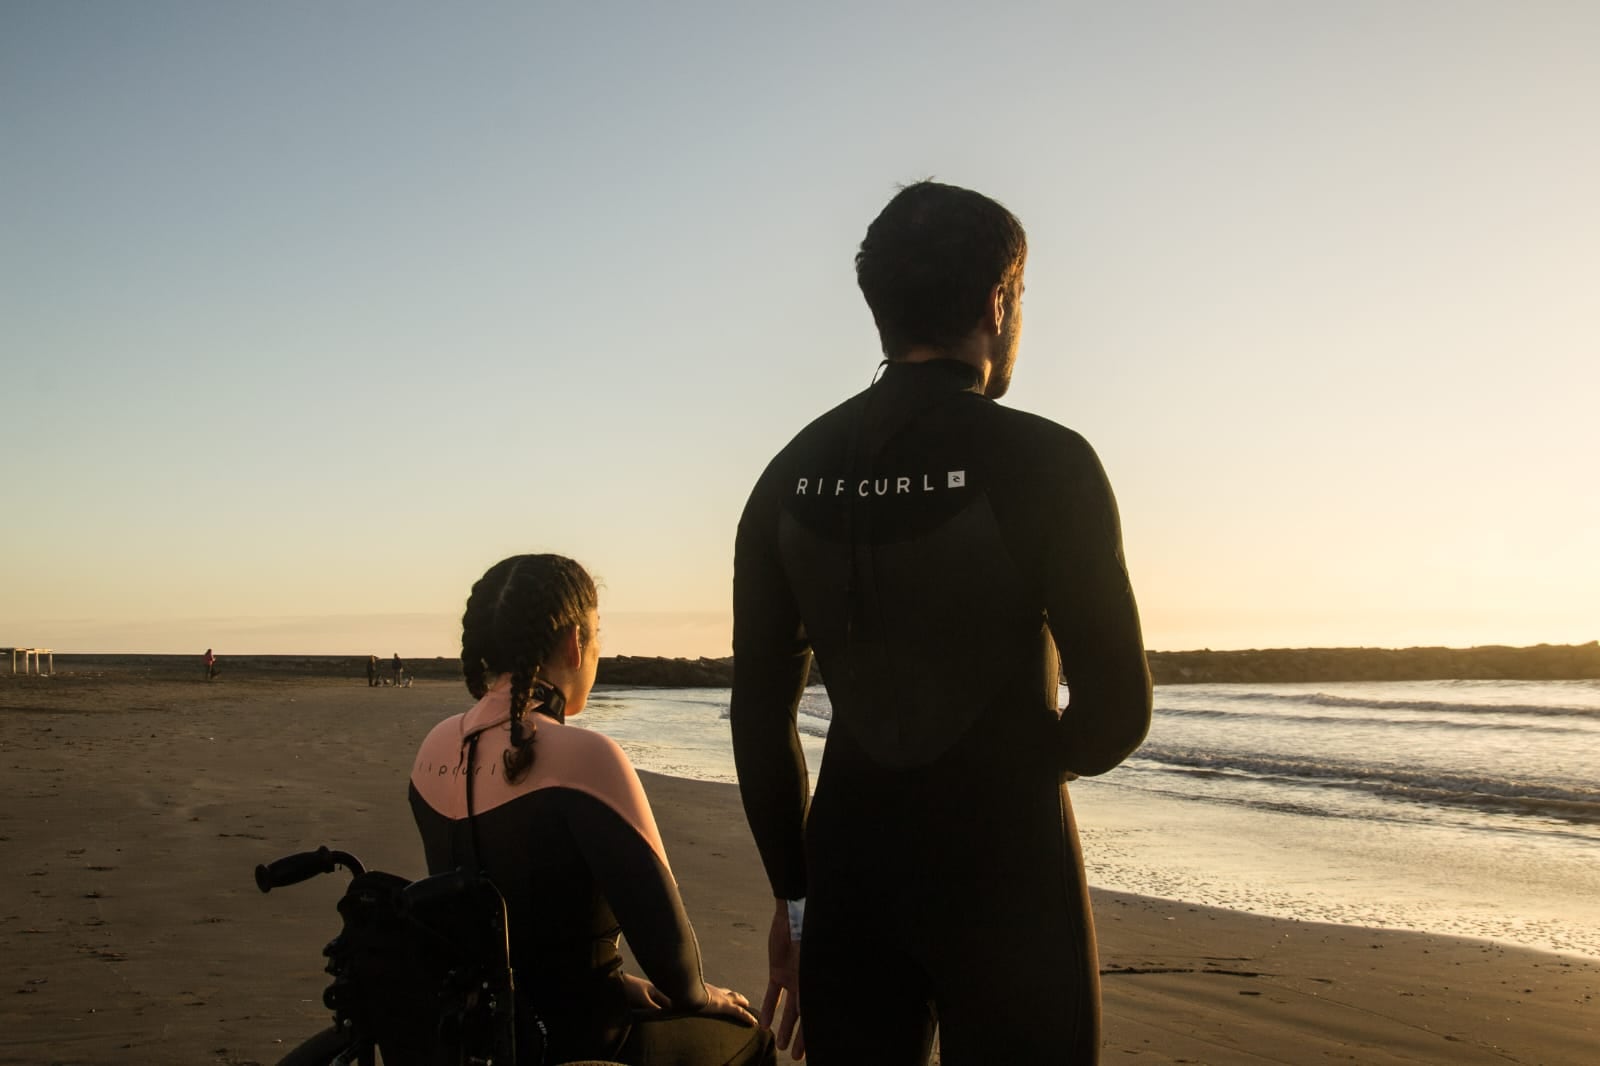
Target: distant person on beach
{"points": [[372, 671], [211, 666], [558, 820], [947, 560], [398, 668]]}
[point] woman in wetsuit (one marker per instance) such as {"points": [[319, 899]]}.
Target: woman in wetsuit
{"points": [[556, 817]]}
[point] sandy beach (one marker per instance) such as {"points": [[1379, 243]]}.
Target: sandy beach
{"points": [[132, 931]]}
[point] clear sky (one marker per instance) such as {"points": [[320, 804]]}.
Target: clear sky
{"points": [[311, 312]]}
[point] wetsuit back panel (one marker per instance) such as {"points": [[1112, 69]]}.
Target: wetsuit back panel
{"points": [[911, 606], [947, 560]]}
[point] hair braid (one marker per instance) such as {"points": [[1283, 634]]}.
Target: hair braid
{"points": [[518, 758], [513, 622]]}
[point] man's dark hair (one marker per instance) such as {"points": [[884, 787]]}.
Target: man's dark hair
{"points": [[929, 261]]}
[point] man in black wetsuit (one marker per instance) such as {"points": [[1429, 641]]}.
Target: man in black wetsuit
{"points": [[948, 560]]}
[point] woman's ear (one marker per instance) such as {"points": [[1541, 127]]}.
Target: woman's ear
{"points": [[571, 648]]}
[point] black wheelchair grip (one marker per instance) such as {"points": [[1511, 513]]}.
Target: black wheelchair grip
{"points": [[292, 869]]}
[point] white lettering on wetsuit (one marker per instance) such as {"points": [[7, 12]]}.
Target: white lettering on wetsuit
{"points": [[953, 479]]}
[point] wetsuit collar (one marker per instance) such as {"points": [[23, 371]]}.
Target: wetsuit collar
{"points": [[495, 710], [942, 374]]}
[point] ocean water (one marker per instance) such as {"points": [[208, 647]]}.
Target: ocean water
{"points": [[1462, 807]]}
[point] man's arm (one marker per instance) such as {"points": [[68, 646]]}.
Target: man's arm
{"points": [[771, 659], [1095, 622]]}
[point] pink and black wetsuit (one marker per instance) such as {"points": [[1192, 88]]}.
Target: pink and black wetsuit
{"points": [[947, 559], [574, 850]]}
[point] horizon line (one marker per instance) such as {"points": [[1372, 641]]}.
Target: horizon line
{"points": [[728, 657]]}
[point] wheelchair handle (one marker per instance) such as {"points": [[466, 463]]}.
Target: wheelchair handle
{"points": [[304, 865]]}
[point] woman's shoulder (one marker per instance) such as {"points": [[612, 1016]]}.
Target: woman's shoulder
{"points": [[575, 754], [441, 746], [447, 730], [583, 760]]}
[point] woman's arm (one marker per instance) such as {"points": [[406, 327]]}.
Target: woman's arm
{"points": [[643, 895]]}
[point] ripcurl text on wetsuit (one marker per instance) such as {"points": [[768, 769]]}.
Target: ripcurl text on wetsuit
{"points": [[947, 560]]}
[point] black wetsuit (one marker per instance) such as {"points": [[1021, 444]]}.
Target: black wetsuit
{"points": [[947, 559], [574, 850]]}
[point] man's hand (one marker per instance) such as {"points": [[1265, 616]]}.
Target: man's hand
{"points": [[783, 984]]}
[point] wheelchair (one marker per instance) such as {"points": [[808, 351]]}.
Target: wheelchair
{"points": [[421, 971]]}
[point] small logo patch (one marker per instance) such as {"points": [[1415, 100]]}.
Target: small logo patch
{"points": [[956, 479]]}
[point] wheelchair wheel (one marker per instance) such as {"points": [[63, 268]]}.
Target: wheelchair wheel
{"points": [[319, 1050]]}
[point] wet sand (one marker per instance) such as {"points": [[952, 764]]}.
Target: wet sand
{"points": [[132, 931]]}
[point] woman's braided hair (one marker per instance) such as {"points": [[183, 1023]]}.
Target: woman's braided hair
{"points": [[514, 620]]}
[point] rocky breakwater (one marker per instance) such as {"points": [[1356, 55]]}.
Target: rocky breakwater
{"points": [[1542, 662], [631, 671]]}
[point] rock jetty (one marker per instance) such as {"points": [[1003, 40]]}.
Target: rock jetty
{"points": [[1543, 662]]}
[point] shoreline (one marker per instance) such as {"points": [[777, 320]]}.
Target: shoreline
{"points": [[135, 933], [1540, 662]]}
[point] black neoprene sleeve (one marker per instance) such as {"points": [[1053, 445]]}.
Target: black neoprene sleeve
{"points": [[1093, 617], [771, 661], [643, 896]]}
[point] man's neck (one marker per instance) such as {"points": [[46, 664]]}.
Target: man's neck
{"points": [[973, 353]]}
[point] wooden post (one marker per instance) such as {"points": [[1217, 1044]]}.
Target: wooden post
{"points": [[33, 660]]}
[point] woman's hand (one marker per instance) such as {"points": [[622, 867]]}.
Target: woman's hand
{"points": [[720, 1002], [726, 1003], [642, 995]]}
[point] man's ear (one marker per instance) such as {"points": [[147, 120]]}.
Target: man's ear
{"points": [[997, 310]]}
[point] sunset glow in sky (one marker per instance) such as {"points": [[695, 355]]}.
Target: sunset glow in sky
{"points": [[310, 313]]}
